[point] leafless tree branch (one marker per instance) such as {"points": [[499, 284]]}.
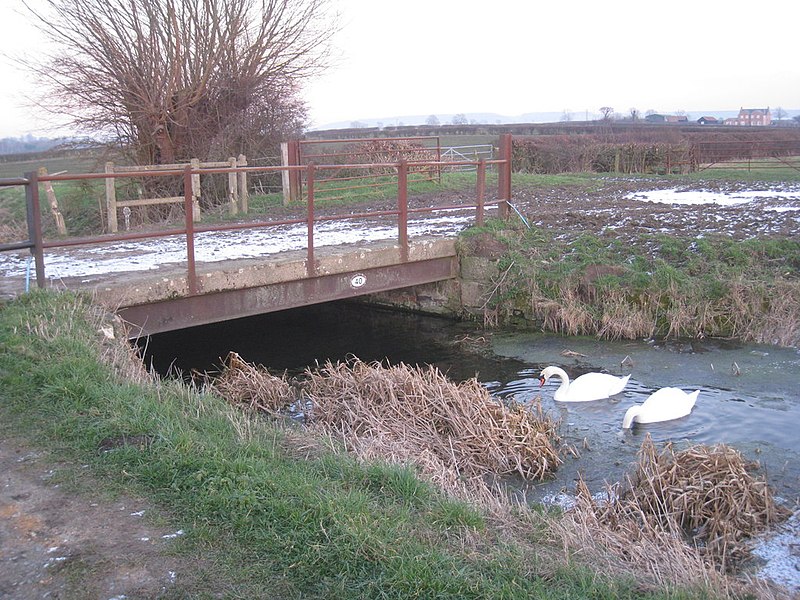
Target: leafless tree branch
{"points": [[174, 79]]}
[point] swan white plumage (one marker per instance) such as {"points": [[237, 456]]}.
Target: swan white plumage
{"points": [[589, 386], [665, 404]]}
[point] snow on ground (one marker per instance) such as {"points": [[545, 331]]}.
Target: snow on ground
{"points": [[781, 552], [722, 198], [223, 245]]}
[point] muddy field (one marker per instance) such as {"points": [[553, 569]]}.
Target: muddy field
{"points": [[629, 207]]}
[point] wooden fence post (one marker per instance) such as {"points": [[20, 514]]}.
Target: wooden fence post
{"points": [[285, 173], [504, 174], [244, 195], [51, 197], [233, 193], [111, 200], [290, 157], [196, 190]]}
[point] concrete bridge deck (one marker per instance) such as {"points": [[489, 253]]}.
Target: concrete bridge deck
{"points": [[160, 299], [245, 287]]}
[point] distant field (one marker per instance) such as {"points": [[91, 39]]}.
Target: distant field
{"points": [[88, 163], [787, 167]]}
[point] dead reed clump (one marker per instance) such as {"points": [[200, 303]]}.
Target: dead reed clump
{"points": [[658, 559], [455, 432], [251, 386], [12, 230], [622, 320], [706, 495], [568, 315]]}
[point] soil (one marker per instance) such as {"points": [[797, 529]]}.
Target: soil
{"points": [[62, 540], [618, 204], [619, 207]]}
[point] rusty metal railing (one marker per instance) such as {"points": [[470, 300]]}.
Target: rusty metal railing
{"points": [[37, 244], [423, 151]]}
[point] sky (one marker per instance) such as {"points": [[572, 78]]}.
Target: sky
{"points": [[424, 57]]}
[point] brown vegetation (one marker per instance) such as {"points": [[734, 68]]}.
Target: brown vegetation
{"points": [[682, 518], [172, 80], [456, 433], [647, 149], [706, 497], [415, 414], [252, 386]]}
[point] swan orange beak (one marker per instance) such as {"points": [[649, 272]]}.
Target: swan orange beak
{"points": [[541, 381]]}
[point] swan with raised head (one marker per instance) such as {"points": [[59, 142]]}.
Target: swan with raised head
{"points": [[665, 404], [589, 386]]}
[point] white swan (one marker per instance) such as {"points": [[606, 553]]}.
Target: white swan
{"points": [[589, 386], [662, 405]]}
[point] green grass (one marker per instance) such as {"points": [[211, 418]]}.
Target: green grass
{"points": [[70, 164], [760, 169], [660, 284], [260, 521]]}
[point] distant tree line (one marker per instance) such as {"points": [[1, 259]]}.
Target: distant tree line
{"points": [[27, 144]]}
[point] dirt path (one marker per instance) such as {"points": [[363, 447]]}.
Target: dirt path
{"points": [[65, 544]]}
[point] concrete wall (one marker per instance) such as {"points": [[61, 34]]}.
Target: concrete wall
{"points": [[465, 296]]}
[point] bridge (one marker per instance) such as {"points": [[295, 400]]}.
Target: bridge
{"points": [[164, 279]]}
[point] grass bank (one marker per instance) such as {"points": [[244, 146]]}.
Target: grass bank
{"points": [[642, 284], [269, 512]]}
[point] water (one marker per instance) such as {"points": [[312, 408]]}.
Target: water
{"points": [[749, 398], [749, 395]]}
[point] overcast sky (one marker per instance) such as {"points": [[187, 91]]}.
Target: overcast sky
{"points": [[422, 57]]}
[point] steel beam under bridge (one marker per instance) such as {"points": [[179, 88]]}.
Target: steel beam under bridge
{"points": [[170, 313]]}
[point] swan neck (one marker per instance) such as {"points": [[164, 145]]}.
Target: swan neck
{"points": [[630, 415], [562, 389], [562, 374]]}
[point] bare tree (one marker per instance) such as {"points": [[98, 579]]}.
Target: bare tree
{"points": [[459, 119], [607, 112], [566, 116], [780, 114], [432, 121], [174, 79], [635, 115]]}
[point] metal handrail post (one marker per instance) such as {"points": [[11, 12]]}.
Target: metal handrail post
{"points": [[402, 208], [34, 214]]}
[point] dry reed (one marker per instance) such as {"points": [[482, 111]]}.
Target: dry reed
{"points": [[705, 495], [252, 386], [453, 431]]}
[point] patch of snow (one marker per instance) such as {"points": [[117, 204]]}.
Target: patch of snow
{"points": [[694, 197], [170, 536], [215, 246], [781, 551], [782, 209]]}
